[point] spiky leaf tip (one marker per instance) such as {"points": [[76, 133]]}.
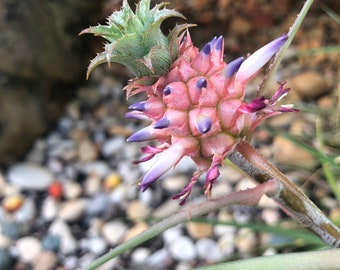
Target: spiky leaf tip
{"points": [[134, 39]]}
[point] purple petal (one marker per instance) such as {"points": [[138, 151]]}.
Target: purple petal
{"points": [[168, 159], [167, 91], [203, 123], [233, 67], [255, 105], [144, 134], [206, 49], [185, 192], [162, 123], [201, 83], [139, 106], [136, 115], [218, 43], [259, 58]]}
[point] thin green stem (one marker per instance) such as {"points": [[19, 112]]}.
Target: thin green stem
{"points": [[325, 165], [317, 260], [291, 34], [244, 197]]}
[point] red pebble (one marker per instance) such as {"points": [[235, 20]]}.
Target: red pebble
{"points": [[56, 190]]}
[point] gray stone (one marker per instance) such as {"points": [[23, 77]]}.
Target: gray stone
{"points": [[30, 176], [183, 249]]}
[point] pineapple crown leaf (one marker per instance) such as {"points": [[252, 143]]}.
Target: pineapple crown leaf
{"points": [[135, 39]]}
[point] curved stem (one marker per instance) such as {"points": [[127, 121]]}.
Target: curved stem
{"points": [[291, 199], [244, 197]]}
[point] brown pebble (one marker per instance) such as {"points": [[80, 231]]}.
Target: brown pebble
{"points": [[286, 152], [199, 230], [46, 260], [309, 84]]}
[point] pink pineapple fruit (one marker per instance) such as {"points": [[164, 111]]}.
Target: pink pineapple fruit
{"points": [[195, 101]]}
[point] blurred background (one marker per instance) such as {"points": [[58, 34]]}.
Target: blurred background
{"points": [[60, 132]]}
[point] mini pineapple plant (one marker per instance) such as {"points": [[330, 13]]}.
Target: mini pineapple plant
{"points": [[195, 101], [195, 104]]}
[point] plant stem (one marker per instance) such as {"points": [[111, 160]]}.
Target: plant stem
{"points": [[325, 166], [291, 34], [317, 260], [292, 200], [244, 197]]}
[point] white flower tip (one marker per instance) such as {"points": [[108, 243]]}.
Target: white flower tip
{"points": [[259, 58]]}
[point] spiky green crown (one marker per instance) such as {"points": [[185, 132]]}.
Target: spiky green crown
{"points": [[136, 40]]}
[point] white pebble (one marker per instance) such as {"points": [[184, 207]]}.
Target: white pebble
{"points": [[113, 145], [172, 234], [28, 248], [97, 245], [68, 243], [72, 210], [49, 209], [207, 249], [183, 249], [159, 257], [139, 256], [30, 176], [71, 189], [27, 211], [99, 168], [114, 232]]}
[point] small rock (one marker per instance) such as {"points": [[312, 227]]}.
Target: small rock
{"points": [[199, 230], [172, 234], [51, 242], [335, 213], [99, 168], [113, 145], [114, 232], [68, 243], [92, 184], [139, 256], [174, 184], [4, 242], [240, 26], [137, 229], [30, 176], [27, 212], [208, 250], [72, 190], [46, 260], [98, 204], [49, 208], [286, 152], [245, 240], [6, 261], [72, 210], [28, 249], [112, 181], [270, 216], [12, 203], [309, 84], [159, 257], [56, 190], [226, 242], [183, 249], [96, 245], [12, 229], [87, 151], [136, 210]]}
